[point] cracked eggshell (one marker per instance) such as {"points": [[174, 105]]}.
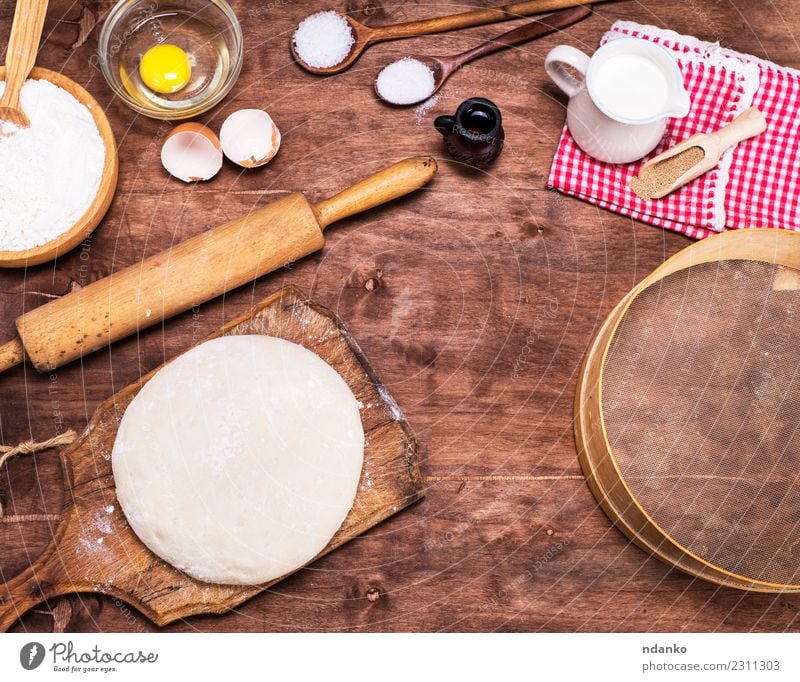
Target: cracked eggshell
{"points": [[192, 153], [250, 138]]}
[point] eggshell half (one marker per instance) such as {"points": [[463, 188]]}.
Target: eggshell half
{"points": [[250, 138], [192, 153]]}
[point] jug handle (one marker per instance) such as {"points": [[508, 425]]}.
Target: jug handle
{"points": [[444, 124], [556, 62]]}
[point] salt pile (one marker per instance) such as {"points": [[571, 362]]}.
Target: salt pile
{"points": [[323, 40], [406, 81]]}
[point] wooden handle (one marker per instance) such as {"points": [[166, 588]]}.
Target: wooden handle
{"points": [[535, 29], [37, 583], [389, 184], [479, 17], [43, 579], [23, 45], [749, 123], [11, 353]]}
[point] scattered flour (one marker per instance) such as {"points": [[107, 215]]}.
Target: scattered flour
{"points": [[406, 81], [323, 39], [50, 172]]}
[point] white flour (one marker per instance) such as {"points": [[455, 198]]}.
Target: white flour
{"points": [[49, 173]]}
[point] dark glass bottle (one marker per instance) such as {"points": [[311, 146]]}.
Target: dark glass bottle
{"points": [[474, 134]]}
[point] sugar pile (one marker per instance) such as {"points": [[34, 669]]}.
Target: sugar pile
{"points": [[406, 81], [324, 39], [50, 172]]}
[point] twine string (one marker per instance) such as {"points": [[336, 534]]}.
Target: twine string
{"points": [[29, 447]]}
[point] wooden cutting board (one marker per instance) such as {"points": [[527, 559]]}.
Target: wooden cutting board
{"points": [[94, 549]]}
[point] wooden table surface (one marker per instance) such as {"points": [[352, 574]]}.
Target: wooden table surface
{"points": [[474, 300]]}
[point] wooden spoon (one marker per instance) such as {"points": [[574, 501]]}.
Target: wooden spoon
{"points": [[749, 123], [444, 67], [23, 45], [365, 35]]}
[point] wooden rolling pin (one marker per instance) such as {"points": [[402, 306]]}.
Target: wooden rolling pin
{"points": [[196, 270]]}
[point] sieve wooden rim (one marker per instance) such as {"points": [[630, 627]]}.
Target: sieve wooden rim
{"points": [[603, 475]]}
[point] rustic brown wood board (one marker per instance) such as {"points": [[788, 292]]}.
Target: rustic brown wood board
{"points": [[95, 550], [475, 299]]}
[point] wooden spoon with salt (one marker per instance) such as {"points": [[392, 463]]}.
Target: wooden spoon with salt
{"points": [[648, 184], [23, 45], [444, 67], [364, 36]]}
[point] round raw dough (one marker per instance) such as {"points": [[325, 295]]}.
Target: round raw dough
{"points": [[239, 460]]}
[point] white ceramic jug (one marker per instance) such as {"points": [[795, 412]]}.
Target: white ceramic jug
{"points": [[622, 96]]}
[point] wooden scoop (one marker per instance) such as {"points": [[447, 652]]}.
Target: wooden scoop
{"points": [[748, 124], [444, 67], [365, 35], [23, 45], [197, 270]]}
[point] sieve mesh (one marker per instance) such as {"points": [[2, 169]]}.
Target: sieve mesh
{"points": [[701, 404]]}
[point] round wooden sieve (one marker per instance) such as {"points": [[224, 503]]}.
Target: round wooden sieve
{"points": [[688, 411]]}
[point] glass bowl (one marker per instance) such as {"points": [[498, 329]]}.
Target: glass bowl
{"points": [[207, 30]]}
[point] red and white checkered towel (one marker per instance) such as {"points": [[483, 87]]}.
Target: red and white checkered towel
{"points": [[756, 184]]}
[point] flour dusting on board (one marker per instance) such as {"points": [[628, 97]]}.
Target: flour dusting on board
{"points": [[394, 408], [93, 533]]}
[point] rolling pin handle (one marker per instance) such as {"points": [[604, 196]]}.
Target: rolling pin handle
{"points": [[11, 353], [391, 183]]}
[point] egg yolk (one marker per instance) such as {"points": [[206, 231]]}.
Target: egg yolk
{"points": [[165, 68]]}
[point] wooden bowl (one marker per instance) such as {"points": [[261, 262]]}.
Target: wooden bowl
{"points": [[108, 182]]}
